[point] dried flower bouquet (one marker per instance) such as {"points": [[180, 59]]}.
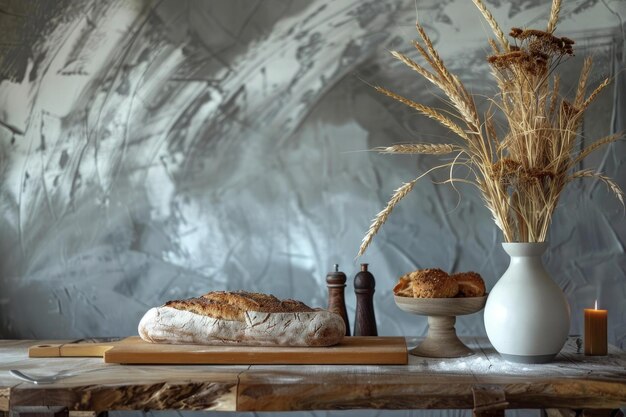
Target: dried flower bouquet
{"points": [[522, 172]]}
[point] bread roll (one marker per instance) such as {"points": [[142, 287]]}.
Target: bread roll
{"points": [[470, 283], [426, 283], [241, 318], [403, 288], [433, 283]]}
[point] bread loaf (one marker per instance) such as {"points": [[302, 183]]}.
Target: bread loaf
{"points": [[241, 318]]}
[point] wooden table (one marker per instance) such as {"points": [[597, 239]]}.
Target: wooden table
{"points": [[482, 382]]}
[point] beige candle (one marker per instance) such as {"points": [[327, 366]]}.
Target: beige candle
{"points": [[595, 331]]}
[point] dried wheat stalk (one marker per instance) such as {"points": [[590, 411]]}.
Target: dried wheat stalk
{"points": [[595, 93], [596, 145], [381, 217], [555, 95], [492, 22], [582, 82], [425, 110], [554, 16], [611, 185], [419, 148]]}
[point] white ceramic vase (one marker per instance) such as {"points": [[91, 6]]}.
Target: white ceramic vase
{"points": [[527, 316]]}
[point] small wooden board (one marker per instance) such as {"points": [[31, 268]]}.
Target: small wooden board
{"points": [[79, 349], [356, 350]]}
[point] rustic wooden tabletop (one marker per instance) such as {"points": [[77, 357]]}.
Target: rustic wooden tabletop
{"points": [[482, 382]]}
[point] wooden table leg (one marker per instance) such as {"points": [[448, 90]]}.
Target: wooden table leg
{"points": [[602, 413], [560, 412], [489, 401], [39, 411], [84, 414], [565, 412], [45, 411]]}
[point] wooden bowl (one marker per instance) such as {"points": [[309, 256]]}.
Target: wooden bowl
{"points": [[441, 341]]}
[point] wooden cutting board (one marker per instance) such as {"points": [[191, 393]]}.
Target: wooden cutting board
{"points": [[132, 350]]}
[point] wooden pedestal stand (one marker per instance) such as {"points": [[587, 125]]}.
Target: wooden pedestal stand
{"points": [[441, 341]]}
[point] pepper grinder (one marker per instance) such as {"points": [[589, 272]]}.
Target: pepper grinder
{"points": [[336, 282], [364, 321]]}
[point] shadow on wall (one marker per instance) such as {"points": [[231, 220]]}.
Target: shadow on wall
{"points": [[156, 151]]}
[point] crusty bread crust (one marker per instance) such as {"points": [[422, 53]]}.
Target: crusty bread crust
{"points": [[470, 283], [234, 305], [255, 301], [208, 308], [426, 283]]}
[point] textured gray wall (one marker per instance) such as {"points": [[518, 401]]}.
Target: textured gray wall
{"points": [[156, 150]]}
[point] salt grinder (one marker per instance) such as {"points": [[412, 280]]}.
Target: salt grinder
{"points": [[336, 282], [364, 321]]}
